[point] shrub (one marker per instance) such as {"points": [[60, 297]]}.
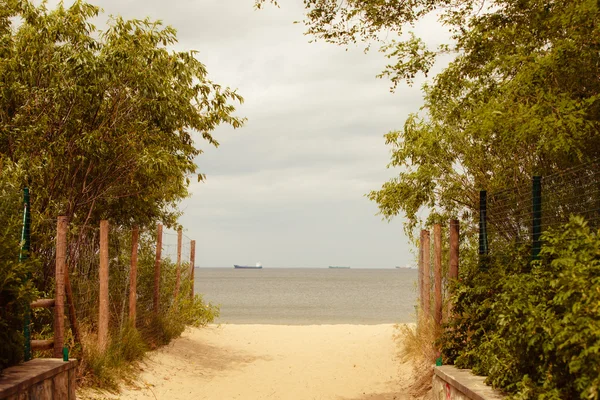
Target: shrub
{"points": [[535, 334], [16, 290]]}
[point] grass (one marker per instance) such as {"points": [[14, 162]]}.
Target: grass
{"points": [[106, 370], [128, 345], [417, 347]]}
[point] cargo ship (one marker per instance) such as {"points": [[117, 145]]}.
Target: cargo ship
{"points": [[257, 266], [337, 267]]}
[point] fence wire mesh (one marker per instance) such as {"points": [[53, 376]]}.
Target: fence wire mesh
{"points": [[510, 213], [84, 266]]}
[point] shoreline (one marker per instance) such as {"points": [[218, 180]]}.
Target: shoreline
{"points": [[258, 361]]}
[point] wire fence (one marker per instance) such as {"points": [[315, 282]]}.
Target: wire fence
{"points": [[146, 287], [516, 217]]}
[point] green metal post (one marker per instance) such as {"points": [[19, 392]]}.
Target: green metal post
{"points": [[23, 256], [483, 239], [536, 224]]}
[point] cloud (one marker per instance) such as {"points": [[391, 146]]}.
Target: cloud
{"points": [[289, 188]]}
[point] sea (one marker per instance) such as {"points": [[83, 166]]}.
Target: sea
{"points": [[307, 296]]}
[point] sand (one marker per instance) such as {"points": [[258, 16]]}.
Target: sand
{"points": [[247, 362]]}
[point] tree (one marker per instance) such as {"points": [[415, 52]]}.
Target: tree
{"points": [[520, 98], [103, 122], [100, 125]]}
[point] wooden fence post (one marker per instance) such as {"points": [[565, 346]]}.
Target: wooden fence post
{"points": [[178, 272], [133, 274], [193, 264], [156, 299], [454, 253], [437, 272], [59, 299], [103, 309], [420, 278], [454, 235], [426, 292]]}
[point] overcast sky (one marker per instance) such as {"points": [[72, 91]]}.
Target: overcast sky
{"points": [[289, 188]]}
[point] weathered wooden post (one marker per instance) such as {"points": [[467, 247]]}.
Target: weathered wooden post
{"points": [[156, 299], [426, 292], [103, 316], [437, 273], [178, 272], [192, 265], [454, 253], [420, 279], [453, 256], [59, 296], [133, 275]]}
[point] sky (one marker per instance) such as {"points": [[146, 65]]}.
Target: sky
{"points": [[288, 189]]}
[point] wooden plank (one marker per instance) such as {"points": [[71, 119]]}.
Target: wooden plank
{"points": [[192, 264], [72, 383], [103, 309], [59, 295], [41, 390], [437, 273], [17, 379], [60, 383], [42, 303], [39, 345], [19, 396], [135, 234], [156, 298]]}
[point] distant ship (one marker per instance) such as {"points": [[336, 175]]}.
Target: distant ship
{"points": [[333, 266], [257, 266]]}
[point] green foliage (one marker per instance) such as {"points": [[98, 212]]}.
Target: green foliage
{"points": [[520, 98], [16, 290], [100, 125], [535, 334], [104, 122]]}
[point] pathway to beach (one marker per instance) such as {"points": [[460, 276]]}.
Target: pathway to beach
{"points": [[341, 362]]}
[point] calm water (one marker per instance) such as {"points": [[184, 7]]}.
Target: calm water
{"points": [[310, 296]]}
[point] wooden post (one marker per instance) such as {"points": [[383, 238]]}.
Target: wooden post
{"points": [[59, 299], [453, 267], [103, 310], [133, 274], [437, 272], [454, 235], [156, 299], [178, 272], [420, 278], [426, 292], [192, 264]]}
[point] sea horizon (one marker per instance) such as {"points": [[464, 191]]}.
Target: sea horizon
{"points": [[310, 296]]}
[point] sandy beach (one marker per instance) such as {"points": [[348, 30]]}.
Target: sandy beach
{"points": [[342, 362]]}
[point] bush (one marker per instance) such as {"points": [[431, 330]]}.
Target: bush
{"points": [[16, 290], [534, 334]]}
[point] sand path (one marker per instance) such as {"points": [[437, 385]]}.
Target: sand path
{"points": [[247, 362]]}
